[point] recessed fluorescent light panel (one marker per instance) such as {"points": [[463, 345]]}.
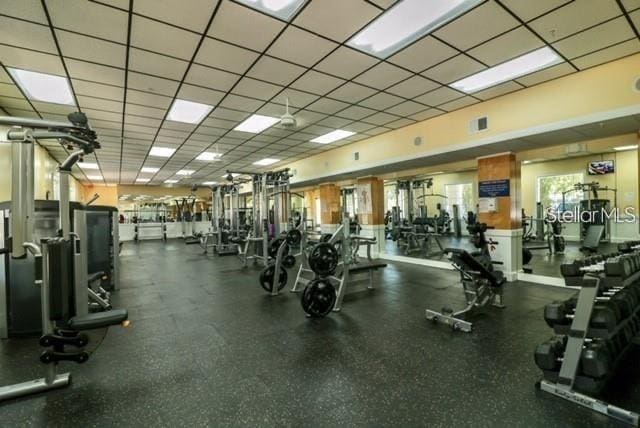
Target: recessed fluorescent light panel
{"points": [[171, 182], [256, 123], [188, 111], [88, 165], [43, 87], [149, 169], [185, 172], [209, 183], [162, 152], [94, 177], [266, 162], [405, 22], [283, 9], [143, 180], [623, 148], [517, 67], [332, 136], [234, 175], [209, 156]]}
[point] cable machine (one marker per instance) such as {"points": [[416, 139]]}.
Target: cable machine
{"points": [[594, 225]]}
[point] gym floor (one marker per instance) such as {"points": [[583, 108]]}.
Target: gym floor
{"points": [[208, 347]]}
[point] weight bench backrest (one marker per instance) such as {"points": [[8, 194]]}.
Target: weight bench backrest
{"points": [[468, 263]]}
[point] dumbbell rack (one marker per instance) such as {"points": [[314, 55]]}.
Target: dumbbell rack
{"points": [[578, 333]]}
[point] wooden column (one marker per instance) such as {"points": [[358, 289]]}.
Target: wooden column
{"points": [[330, 203], [370, 194], [495, 169]]}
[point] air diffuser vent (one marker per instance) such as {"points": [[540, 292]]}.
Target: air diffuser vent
{"points": [[478, 125], [356, 156]]}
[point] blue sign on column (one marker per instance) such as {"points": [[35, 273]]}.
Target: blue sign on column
{"points": [[493, 188]]}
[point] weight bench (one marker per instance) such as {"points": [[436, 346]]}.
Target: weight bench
{"points": [[99, 296], [482, 287], [344, 277]]}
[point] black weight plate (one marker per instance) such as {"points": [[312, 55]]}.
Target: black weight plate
{"points": [[267, 278], [275, 245], [323, 259], [318, 298], [289, 261], [294, 236], [326, 237]]}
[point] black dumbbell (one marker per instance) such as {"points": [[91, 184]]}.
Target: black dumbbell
{"points": [[560, 313], [548, 355], [597, 359]]}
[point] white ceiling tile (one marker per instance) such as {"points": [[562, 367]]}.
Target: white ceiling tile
{"points": [[241, 103], [27, 35], [210, 78], [91, 49], [458, 104], [336, 19], [89, 18], [156, 64], [162, 38], [317, 83], [252, 88], [498, 90], [609, 54], [223, 113], [25, 9], [381, 101], [412, 87], [155, 85], [574, 17], [122, 4], [99, 104], [244, 27], [296, 98], [400, 123], [30, 60], [10, 90], [507, 46], [141, 124], [301, 47], [439, 96], [382, 76], [201, 95], [226, 56], [351, 92], [380, 118], [635, 17], [346, 63], [102, 115], [356, 112], [630, 5], [546, 74], [487, 20], [423, 54], [358, 127], [137, 110], [328, 106], [193, 14], [599, 37], [148, 99], [275, 71], [407, 108], [527, 9], [454, 69], [95, 73]]}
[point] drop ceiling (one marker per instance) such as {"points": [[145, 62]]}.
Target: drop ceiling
{"points": [[127, 60]]}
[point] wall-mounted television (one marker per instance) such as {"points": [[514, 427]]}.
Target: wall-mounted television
{"points": [[601, 167]]}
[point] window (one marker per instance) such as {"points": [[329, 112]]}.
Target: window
{"points": [[550, 190], [460, 195]]}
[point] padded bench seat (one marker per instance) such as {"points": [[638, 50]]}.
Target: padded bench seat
{"points": [[469, 263], [98, 319]]}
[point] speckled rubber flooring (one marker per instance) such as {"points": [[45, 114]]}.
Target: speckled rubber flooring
{"points": [[208, 347]]}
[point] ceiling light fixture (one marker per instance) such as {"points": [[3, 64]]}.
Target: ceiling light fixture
{"points": [[188, 111], [256, 123], [284, 9], [94, 177], [517, 67], [172, 181], [44, 87], [185, 172], [162, 152], [209, 183], [143, 180], [149, 169], [266, 162], [332, 136], [209, 156], [406, 21], [88, 165], [623, 148]]}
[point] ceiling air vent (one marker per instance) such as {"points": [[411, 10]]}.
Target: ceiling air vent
{"points": [[356, 156], [478, 125]]}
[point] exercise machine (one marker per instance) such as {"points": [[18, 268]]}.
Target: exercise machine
{"points": [[482, 284]]}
